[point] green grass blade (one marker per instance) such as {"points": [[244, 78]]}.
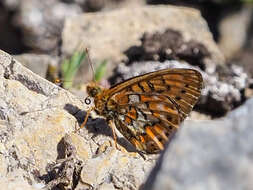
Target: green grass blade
{"points": [[100, 71], [70, 67]]}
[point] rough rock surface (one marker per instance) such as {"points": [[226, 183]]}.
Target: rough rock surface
{"points": [[209, 155], [32, 119], [170, 45], [38, 145], [38, 63], [109, 34], [232, 39], [41, 22]]}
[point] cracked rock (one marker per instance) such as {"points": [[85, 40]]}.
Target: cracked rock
{"points": [[39, 147]]}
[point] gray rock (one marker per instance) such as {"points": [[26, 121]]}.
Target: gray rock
{"points": [[208, 155], [37, 63], [33, 120], [39, 147], [120, 38], [11, 4], [232, 39], [41, 22], [109, 34]]}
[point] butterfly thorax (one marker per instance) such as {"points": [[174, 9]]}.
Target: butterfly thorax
{"points": [[100, 100]]}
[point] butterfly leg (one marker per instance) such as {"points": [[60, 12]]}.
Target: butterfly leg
{"points": [[112, 126], [85, 119]]}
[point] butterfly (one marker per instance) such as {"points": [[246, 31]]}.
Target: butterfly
{"points": [[148, 109]]}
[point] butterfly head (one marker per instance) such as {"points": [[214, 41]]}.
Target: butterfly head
{"points": [[96, 92], [93, 90]]}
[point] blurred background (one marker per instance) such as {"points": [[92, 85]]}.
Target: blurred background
{"points": [[126, 39]]}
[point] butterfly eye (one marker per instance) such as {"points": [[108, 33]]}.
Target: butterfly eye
{"points": [[93, 92], [87, 101]]}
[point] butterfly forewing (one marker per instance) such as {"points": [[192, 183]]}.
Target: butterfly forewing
{"points": [[148, 109]]}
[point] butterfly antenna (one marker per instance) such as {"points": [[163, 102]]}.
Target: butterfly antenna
{"points": [[90, 63]]}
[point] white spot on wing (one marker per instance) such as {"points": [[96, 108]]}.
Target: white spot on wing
{"points": [[155, 98], [134, 99], [121, 117], [140, 116], [161, 106]]}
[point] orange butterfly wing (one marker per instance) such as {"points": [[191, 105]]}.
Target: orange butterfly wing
{"points": [[148, 109]]}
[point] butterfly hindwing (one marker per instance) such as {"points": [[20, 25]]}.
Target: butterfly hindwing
{"points": [[149, 129]]}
